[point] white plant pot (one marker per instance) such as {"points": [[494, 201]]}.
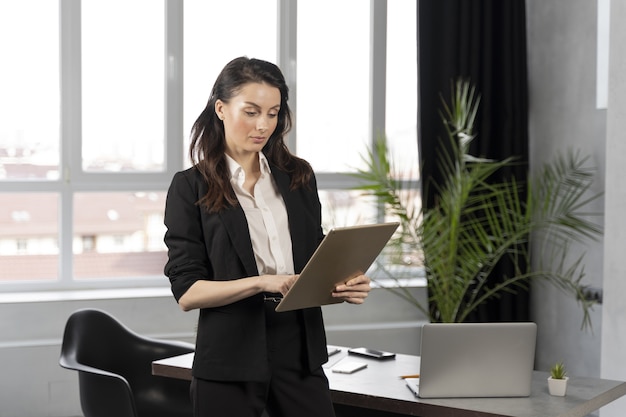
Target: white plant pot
{"points": [[557, 387]]}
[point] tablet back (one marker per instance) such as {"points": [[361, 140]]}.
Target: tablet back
{"points": [[477, 359], [344, 253]]}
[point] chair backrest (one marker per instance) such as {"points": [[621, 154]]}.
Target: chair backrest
{"points": [[115, 368], [97, 339], [89, 347]]}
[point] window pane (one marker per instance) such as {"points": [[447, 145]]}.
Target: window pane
{"points": [[29, 90], [123, 47], [333, 83], [29, 236], [212, 40], [346, 208], [119, 235], [401, 124], [401, 102]]}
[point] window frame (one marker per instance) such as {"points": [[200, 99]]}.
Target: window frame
{"points": [[287, 61], [73, 180]]}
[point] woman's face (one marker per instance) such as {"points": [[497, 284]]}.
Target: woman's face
{"points": [[250, 118]]}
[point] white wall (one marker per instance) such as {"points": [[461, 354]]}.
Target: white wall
{"points": [[32, 384], [613, 358]]}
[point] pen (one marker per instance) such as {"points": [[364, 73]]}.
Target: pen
{"points": [[410, 376]]}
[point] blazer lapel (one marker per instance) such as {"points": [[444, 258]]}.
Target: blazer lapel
{"points": [[237, 226], [293, 205]]}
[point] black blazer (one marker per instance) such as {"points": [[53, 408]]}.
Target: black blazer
{"points": [[230, 343]]}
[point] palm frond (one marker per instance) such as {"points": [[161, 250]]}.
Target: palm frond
{"points": [[476, 222]]}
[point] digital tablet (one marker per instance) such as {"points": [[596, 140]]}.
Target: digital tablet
{"points": [[345, 253]]}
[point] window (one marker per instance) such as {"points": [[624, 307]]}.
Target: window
{"points": [[338, 119], [211, 40], [83, 139], [29, 236], [333, 66], [122, 73], [94, 122], [401, 85], [29, 86]]}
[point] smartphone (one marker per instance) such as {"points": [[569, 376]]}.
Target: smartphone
{"points": [[371, 353], [348, 366]]}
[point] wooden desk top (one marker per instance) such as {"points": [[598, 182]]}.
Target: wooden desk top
{"points": [[379, 387]]}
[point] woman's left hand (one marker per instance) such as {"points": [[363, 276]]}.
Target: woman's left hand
{"points": [[355, 291]]}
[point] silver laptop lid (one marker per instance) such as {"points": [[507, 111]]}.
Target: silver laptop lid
{"points": [[477, 359]]}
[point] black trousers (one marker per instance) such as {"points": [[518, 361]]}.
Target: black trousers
{"points": [[290, 391]]}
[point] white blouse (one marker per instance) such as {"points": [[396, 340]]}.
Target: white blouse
{"points": [[267, 219]]}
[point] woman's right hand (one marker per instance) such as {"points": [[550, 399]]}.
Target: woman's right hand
{"points": [[276, 283], [207, 294]]}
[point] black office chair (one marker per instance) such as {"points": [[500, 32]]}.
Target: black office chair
{"points": [[114, 367]]}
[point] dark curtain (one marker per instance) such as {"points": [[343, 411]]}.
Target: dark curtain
{"points": [[483, 41]]}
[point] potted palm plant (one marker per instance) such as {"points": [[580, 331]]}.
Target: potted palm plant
{"points": [[477, 222]]}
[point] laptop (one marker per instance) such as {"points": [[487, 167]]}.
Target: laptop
{"points": [[345, 253], [476, 360]]}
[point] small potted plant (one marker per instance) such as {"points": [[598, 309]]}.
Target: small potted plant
{"points": [[557, 382]]}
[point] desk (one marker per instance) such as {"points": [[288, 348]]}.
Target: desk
{"points": [[378, 387]]}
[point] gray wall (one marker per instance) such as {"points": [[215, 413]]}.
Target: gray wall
{"points": [[563, 115], [562, 47]]}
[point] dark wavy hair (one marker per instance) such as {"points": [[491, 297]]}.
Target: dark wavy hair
{"points": [[208, 142]]}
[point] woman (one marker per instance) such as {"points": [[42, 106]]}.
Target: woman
{"points": [[241, 223]]}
